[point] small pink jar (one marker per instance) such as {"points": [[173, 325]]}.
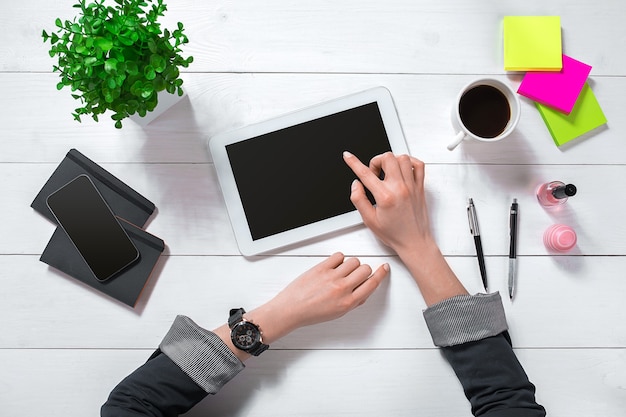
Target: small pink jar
{"points": [[559, 238]]}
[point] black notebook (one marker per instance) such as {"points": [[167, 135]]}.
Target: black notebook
{"points": [[125, 286], [123, 200]]}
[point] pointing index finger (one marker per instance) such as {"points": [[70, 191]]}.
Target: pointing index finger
{"points": [[365, 174]]}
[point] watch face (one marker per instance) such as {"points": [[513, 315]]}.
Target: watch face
{"points": [[245, 335]]}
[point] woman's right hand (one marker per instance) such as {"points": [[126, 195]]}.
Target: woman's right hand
{"points": [[400, 217], [400, 220]]}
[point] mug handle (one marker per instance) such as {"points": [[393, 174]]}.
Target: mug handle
{"points": [[457, 140]]}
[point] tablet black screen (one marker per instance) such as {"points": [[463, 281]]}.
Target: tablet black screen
{"points": [[296, 176]]}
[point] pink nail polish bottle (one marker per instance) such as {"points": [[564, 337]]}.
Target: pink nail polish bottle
{"points": [[559, 238], [555, 193]]}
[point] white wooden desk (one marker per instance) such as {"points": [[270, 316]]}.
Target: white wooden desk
{"points": [[64, 346]]}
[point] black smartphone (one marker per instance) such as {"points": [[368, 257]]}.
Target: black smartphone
{"points": [[92, 227]]}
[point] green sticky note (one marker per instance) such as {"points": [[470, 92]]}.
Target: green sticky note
{"points": [[584, 117], [532, 43]]}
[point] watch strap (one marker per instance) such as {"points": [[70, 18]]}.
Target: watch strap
{"points": [[235, 316], [258, 349]]}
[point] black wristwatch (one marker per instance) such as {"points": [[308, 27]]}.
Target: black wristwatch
{"points": [[244, 334]]}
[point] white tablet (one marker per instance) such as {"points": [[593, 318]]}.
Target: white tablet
{"points": [[284, 180]]}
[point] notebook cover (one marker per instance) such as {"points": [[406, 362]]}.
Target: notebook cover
{"points": [[585, 116], [126, 287], [532, 43], [558, 90], [123, 200]]}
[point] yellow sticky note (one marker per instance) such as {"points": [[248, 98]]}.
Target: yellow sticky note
{"points": [[532, 43]]}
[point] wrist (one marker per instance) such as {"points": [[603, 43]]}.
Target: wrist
{"points": [[420, 247], [273, 321], [431, 272]]}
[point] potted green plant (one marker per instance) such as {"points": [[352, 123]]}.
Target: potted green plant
{"points": [[116, 57]]}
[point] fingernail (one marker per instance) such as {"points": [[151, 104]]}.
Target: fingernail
{"points": [[347, 154], [353, 186], [386, 267]]}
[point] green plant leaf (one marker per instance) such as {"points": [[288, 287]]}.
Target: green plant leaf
{"points": [[106, 93], [132, 68], [149, 72], [103, 43], [147, 91], [110, 65], [135, 88], [158, 62], [158, 83], [111, 83], [121, 67], [58, 23]]}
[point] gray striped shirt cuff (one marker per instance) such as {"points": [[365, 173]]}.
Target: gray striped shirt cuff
{"points": [[201, 354], [465, 318]]}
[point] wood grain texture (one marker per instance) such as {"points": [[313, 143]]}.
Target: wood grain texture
{"points": [[191, 215], [547, 312], [399, 36], [220, 102], [63, 346]]}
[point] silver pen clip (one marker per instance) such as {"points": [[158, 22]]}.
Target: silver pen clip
{"points": [[473, 220]]}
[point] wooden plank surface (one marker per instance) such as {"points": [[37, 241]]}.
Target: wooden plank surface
{"points": [[219, 102], [192, 217], [63, 346], [348, 36], [547, 312]]}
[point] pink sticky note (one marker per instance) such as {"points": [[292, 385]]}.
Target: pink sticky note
{"points": [[558, 90]]}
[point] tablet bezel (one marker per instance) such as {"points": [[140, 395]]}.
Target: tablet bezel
{"points": [[218, 143]]}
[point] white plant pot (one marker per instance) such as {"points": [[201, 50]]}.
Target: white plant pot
{"points": [[166, 100]]}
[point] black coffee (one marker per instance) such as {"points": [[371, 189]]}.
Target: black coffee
{"points": [[485, 111]]}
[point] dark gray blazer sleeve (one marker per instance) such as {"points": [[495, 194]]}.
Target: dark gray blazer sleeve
{"points": [[191, 363], [472, 333]]}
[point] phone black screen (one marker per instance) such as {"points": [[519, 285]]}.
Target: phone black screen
{"points": [[296, 176], [91, 225]]}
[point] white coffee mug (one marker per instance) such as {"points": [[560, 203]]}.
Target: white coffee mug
{"points": [[484, 114]]}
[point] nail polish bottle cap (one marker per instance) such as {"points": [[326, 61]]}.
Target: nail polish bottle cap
{"points": [[564, 191], [560, 237]]}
